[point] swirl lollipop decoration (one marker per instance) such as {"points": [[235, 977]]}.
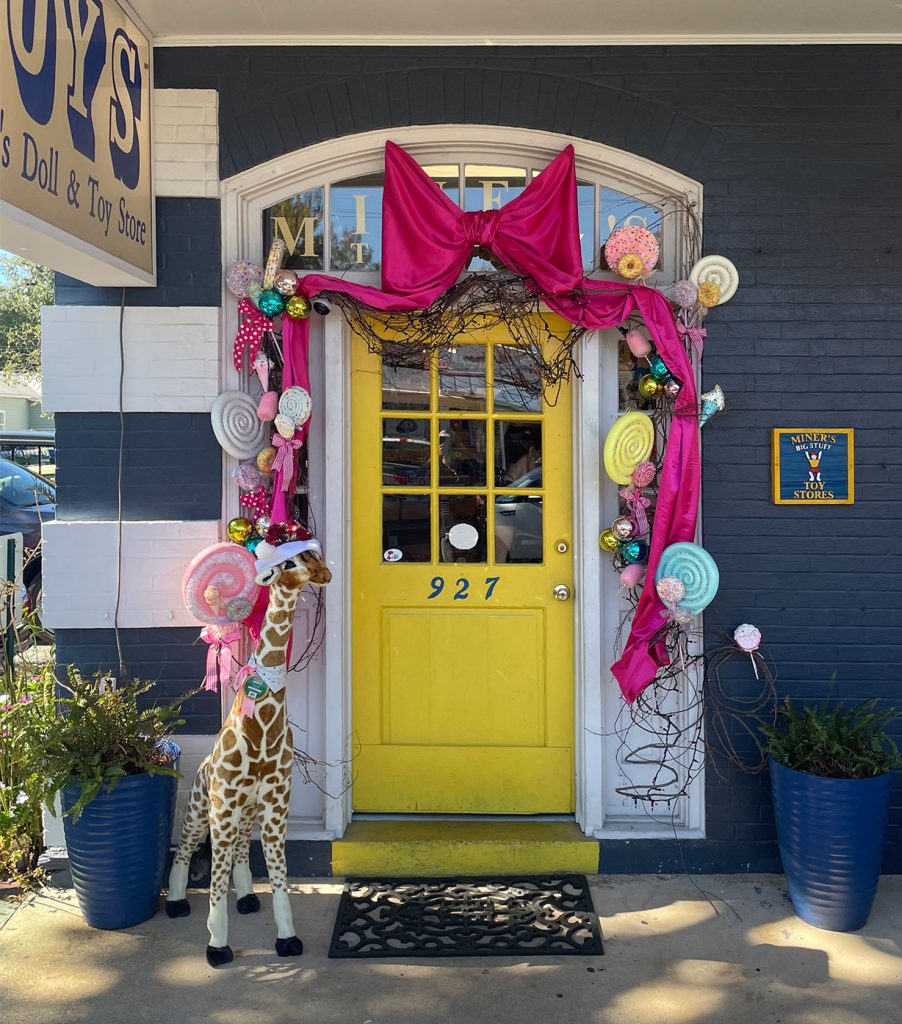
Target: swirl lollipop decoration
{"points": [[632, 252], [241, 275], [236, 424], [629, 443], [215, 578], [718, 271], [695, 569], [296, 404]]}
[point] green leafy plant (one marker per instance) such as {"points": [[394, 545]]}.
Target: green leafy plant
{"points": [[835, 742], [98, 736]]}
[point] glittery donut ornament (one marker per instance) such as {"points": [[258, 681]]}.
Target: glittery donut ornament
{"points": [[296, 404], [629, 443], [632, 252], [236, 424], [215, 578], [695, 569], [717, 271]]}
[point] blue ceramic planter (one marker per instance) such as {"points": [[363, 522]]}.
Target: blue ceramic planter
{"points": [[831, 834], [118, 849]]}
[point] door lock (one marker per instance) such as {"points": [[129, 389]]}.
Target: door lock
{"points": [[561, 592], [562, 547]]}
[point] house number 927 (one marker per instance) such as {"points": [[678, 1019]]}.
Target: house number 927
{"points": [[462, 587]]}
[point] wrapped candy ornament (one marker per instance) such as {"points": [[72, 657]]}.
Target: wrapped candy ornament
{"points": [[713, 402]]}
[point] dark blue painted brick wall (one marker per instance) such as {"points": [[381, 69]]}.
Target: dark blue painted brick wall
{"points": [[172, 466], [170, 656], [188, 261]]}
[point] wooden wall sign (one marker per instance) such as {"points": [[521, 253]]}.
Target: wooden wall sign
{"points": [[813, 466]]}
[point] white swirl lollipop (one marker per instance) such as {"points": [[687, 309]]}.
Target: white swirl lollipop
{"points": [[296, 403], [236, 425], [720, 271], [217, 577]]}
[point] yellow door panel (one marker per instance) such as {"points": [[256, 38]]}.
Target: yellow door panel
{"points": [[462, 658]]}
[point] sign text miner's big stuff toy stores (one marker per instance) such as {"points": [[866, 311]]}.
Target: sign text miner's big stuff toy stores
{"points": [[812, 467], [75, 156]]}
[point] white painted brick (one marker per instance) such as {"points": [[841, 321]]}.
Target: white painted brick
{"points": [[172, 358], [186, 142], [80, 565]]}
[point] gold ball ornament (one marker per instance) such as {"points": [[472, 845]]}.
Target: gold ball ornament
{"points": [[297, 307], [630, 267], [709, 294], [608, 541], [265, 459], [239, 529], [649, 387], [623, 528]]}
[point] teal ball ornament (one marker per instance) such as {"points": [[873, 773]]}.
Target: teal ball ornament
{"points": [[656, 366], [634, 551], [271, 303], [253, 544]]}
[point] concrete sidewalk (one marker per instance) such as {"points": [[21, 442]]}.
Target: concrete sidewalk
{"points": [[670, 959]]}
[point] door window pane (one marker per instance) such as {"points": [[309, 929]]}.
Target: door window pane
{"points": [[298, 221], [406, 457], [405, 377], [461, 530], [518, 528], [461, 378], [517, 380], [461, 448], [406, 527], [356, 214], [447, 177], [518, 454]]}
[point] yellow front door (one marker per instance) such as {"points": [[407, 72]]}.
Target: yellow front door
{"points": [[461, 531]]}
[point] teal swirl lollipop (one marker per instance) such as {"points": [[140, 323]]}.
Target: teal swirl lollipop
{"points": [[695, 569]]}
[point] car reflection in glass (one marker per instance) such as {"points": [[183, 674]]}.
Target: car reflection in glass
{"points": [[518, 521]]}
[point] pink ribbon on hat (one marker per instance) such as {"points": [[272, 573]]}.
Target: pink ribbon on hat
{"points": [[219, 654], [637, 503], [696, 335], [250, 333], [284, 460], [256, 500]]}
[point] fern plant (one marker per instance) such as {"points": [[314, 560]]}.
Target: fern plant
{"points": [[836, 742]]}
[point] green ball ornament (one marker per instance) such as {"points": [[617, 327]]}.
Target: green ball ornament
{"points": [[658, 368], [608, 540], [271, 303], [634, 551], [252, 543], [239, 529]]}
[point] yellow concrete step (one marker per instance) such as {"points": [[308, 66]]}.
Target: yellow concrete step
{"points": [[446, 848]]}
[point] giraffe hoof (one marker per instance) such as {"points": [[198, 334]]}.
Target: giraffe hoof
{"points": [[177, 908], [249, 904], [289, 947], [217, 956]]}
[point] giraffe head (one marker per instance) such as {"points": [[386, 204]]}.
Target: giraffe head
{"points": [[301, 563]]}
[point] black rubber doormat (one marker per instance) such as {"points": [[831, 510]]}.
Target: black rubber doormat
{"points": [[436, 917]]}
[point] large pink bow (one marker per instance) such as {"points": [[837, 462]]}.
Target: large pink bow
{"points": [[696, 335], [219, 654], [257, 501], [637, 503], [253, 326], [284, 460]]}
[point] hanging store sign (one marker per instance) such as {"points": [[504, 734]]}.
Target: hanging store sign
{"points": [[813, 467], [75, 139]]}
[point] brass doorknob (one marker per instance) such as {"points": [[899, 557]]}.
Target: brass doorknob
{"points": [[561, 592]]}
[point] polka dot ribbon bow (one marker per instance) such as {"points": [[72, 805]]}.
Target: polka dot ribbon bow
{"points": [[257, 501], [250, 333]]}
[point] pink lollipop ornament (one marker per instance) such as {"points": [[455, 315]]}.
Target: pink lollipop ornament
{"points": [[632, 574], [748, 639], [643, 474], [215, 578], [638, 344], [268, 406]]}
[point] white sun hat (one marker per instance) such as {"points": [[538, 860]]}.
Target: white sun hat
{"points": [[274, 555]]}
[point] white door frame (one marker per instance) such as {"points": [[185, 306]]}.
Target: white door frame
{"points": [[597, 606]]}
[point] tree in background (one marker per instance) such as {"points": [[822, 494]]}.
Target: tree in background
{"points": [[24, 288]]}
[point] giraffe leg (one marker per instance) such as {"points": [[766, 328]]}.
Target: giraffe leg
{"points": [[193, 831], [227, 809], [248, 900], [273, 802]]}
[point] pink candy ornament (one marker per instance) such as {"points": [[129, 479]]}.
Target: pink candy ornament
{"points": [[261, 368], [268, 406], [247, 476], [643, 474], [748, 639], [670, 590], [632, 574], [240, 275], [634, 241], [216, 577], [638, 344]]}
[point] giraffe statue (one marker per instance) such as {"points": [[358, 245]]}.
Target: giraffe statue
{"points": [[247, 778]]}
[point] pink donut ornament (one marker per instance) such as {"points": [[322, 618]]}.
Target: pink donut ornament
{"points": [[217, 576], [638, 344], [631, 241], [268, 406]]}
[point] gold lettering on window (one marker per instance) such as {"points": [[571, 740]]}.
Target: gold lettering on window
{"points": [[360, 212], [306, 228], [491, 200]]}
